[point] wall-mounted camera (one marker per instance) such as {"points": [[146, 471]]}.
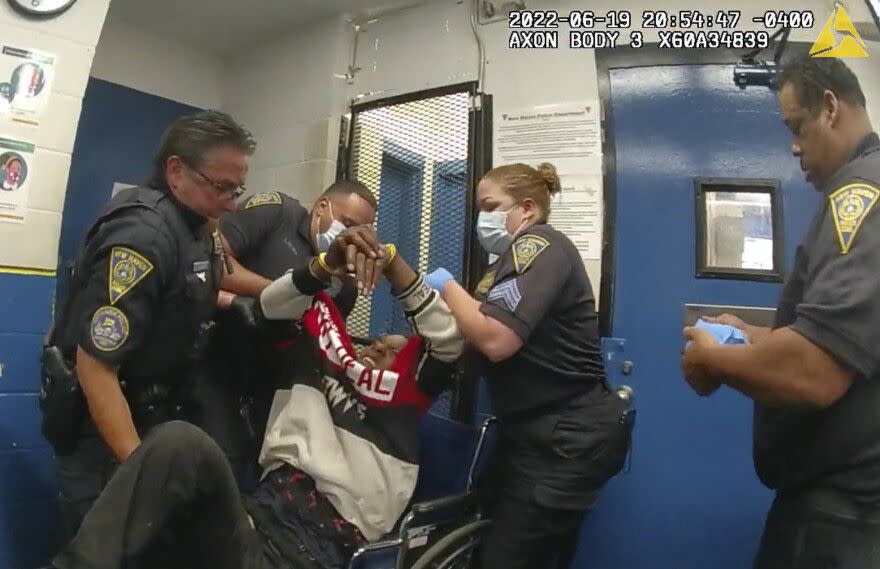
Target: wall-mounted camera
{"points": [[757, 73]]}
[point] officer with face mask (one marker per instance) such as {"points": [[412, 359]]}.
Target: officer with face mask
{"points": [[267, 235], [532, 321]]}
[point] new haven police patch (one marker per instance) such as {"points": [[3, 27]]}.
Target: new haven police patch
{"points": [[264, 199], [526, 249], [127, 268], [850, 205], [109, 328]]}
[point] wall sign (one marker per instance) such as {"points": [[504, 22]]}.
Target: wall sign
{"points": [[16, 161], [26, 78]]}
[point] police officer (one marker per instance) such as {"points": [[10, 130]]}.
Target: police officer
{"points": [[271, 232], [814, 376], [265, 236], [533, 321], [141, 299]]}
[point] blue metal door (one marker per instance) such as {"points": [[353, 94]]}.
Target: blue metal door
{"points": [[691, 498]]}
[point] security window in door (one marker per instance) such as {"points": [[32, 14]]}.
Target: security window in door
{"points": [[738, 229]]}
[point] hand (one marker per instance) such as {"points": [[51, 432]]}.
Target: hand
{"points": [[695, 372], [438, 278], [357, 251], [247, 310], [728, 319]]}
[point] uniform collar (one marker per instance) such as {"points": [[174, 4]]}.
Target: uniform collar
{"points": [[866, 144], [192, 219], [305, 229], [869, 142]]}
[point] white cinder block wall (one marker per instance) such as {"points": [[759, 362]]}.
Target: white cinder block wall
{"points": [[71, 37], [134, 57], [287, 93]]}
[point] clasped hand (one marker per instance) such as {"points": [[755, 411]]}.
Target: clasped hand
{"points": [[357, 253]]}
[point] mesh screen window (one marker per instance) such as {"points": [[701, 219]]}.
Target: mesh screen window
{"points": [[414, 156], [738, 225]]}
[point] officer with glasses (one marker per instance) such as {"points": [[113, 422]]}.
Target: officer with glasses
{"points": [[141, 301]]}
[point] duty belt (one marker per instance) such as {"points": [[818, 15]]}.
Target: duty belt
{"points": [[832, 502]]}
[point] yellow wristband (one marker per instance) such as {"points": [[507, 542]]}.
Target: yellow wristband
{"points": [[392, 252], [323, 262]]}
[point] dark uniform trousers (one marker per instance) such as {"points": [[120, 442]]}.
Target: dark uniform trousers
{"points": [[84, 472], [551, 468], [818, 529], [82, 475], [174, 503]]}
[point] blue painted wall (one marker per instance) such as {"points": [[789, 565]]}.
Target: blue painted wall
{"points": [[118, 131]]}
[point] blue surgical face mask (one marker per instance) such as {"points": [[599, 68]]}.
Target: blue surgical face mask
{"points": [[326, 238], [492, 231]]}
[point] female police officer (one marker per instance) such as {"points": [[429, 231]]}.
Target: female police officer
{"points": [[533, 320]]}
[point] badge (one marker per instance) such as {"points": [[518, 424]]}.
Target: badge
{"points": [[109, 328], [526, 249], [264, 199], [127, 268], [850, 205], [201, 266], [507, 293], [486, 283]]}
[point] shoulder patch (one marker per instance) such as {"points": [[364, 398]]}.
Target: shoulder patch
{"points": [[127, 269], [507, 293], [486, 282], [109, 328], [265, 198], [850, 205], [526, 249]]}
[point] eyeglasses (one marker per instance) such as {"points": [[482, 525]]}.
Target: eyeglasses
{"points": [[225, 191]]}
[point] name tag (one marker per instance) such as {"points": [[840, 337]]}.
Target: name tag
{"points": [[201, 266]]}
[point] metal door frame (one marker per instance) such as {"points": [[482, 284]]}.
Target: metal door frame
{"points": [[625, 57], [479, 161]]}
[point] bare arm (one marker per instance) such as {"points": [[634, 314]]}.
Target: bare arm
{"points": [[241, 281], [399, 274], [489, 336], [783, 368], [107, 404]]}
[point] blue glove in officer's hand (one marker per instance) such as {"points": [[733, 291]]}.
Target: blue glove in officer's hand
{"points": [[438, 278]]}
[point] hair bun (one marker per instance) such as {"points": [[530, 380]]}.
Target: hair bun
{"points": [[551, 177]]}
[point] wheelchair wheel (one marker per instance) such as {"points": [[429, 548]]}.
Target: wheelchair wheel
{"points": [[455, 549]]}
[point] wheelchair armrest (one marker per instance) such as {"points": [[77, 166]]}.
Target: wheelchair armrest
{"points": [[440, 503], [366, 550]]}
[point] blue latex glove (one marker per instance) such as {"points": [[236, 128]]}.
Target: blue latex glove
{"points": [[723, 333], [438, 278]]}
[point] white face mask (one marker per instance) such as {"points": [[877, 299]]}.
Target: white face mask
{"points": [[492, 231], [326, 238]]}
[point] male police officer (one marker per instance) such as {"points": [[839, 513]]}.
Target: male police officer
{"points": [[267, 235], [272, 232], [815, 377], [142, 297]]}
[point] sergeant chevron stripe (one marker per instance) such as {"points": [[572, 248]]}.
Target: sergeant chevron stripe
{"points": [[506, 293]]}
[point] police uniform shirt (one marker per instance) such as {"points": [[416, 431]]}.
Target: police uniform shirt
{"points": [[540, 289], [130, 264], [269, 233], [832, 298]]}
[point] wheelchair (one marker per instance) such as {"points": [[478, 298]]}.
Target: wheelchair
{"points": [[445, 522]]}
